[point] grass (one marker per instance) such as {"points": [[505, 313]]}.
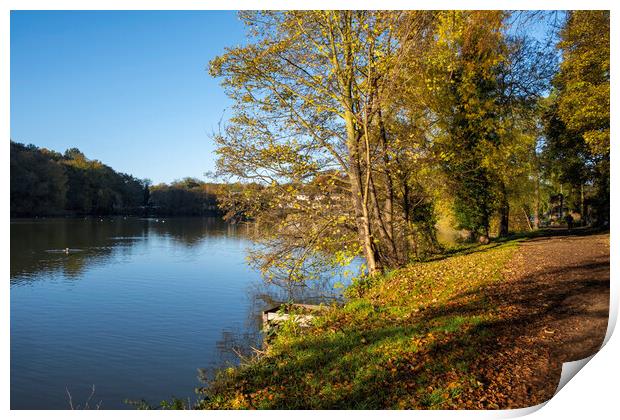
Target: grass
{"points": [[408, 339]]}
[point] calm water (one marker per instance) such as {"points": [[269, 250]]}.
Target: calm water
{"points": [[137, 307]]}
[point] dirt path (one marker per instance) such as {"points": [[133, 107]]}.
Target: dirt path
{"points": [[554, 307]]}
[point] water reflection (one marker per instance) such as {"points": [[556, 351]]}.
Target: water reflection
{"points": [[135, 306], [237, 344], [38, 245]]}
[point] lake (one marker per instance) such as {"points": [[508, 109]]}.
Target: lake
{"points": [[137, 307]]}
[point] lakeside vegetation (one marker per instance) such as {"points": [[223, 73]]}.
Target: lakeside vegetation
{"points": [[396, 343], [364, 129], [439, 334]]}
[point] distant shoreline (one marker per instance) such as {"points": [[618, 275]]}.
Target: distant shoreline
{"points": [[116, 216]]}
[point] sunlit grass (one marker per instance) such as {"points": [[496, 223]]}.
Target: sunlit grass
{"points": [[403, 340]]}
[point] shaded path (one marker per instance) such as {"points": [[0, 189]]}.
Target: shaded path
{"points": [[554, 304]]}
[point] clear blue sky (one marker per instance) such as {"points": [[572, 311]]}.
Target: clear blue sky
{"points": [[127, 88]]}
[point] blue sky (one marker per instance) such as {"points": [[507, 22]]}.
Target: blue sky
{"points": [[127, 88]]}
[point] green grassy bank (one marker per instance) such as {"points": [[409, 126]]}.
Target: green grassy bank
{"points": [[408, 339]]}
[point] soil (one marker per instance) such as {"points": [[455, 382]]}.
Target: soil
{"points": [[554, 308]]}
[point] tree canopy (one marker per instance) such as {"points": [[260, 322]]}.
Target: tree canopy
{"points": [[45, 183], [361, 128]]}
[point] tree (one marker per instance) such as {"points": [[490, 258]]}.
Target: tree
{"points": [[577, 116], [483, 81], [354, 123], [187, 197], [583, 79], [524, 76], [462, 71], [146, 184], [38, 182], [44, 183], [310, 90]]}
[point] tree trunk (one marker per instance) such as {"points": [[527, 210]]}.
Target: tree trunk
{"points": [[561, 203], [410, 244], [363, 224], [537, 201], [383, 230], [389, 200], [359, 191], [504, 213], [527, 219], [359, 203], [583, 213]]}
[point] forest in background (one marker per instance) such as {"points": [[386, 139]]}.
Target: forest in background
{"points": [[48, 183]]}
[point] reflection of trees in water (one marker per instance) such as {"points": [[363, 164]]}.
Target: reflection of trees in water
{"points": [[270, 294], [236, 344], [185, 232], [37, 244], [191, 231]]}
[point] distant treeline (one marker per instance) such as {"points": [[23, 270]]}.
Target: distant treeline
{"points": [[48, 183], [188, 197]]}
